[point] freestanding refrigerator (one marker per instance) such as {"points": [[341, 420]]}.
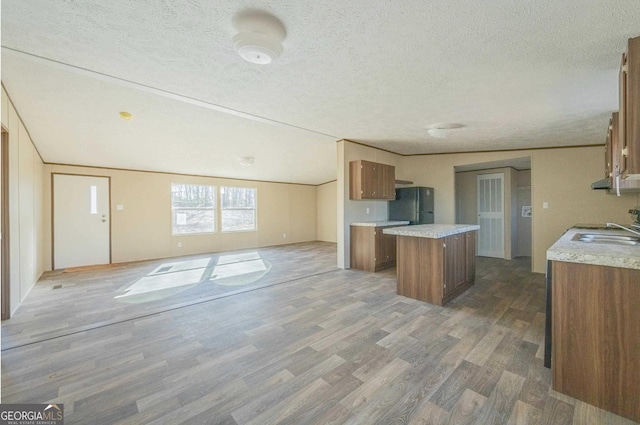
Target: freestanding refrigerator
{"points": [[414, 204]]}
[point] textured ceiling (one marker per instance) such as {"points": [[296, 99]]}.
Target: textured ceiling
{"points": [[517, 74]]}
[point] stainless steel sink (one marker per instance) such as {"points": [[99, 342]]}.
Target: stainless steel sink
{"points": [[607, 239]]}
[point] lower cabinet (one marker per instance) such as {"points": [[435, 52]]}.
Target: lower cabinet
{"points": [[459, 258], [596, 335], [436, 270], [372, 250]]}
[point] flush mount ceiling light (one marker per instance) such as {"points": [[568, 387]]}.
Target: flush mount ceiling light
{"points": [[442, 130], [259, 38], [247, 161], [127, 116]]}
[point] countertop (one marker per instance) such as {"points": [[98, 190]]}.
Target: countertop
{"points": [[432, 231], [382, 223], [598, 254]]}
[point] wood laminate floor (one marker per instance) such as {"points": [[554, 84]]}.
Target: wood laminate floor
{"points": [[336, 347]]}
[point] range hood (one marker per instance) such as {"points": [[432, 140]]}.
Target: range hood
{"points": [[601, 184]]}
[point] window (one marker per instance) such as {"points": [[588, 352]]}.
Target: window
{"points": [[193, 209], [238, 209]]}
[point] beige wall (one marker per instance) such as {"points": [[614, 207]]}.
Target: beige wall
{"points": [[523, 248], [26, 217], [327, 212], [142, 230], [561, 177]]}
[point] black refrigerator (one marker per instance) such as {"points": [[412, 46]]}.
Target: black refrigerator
{"points": [[414, 204]]}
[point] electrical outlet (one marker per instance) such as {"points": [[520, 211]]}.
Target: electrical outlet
{"points": [[367, 210], [179, 244], [284, 236], [545, 205]]}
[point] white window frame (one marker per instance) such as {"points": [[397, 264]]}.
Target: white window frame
{"points": [[254, 209], [213, 208]]}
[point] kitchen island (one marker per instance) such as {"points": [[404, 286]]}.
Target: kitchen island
{"points": [[435, 262]]}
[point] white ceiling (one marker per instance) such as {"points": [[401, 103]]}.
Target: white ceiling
{"points": [[517, 74]]}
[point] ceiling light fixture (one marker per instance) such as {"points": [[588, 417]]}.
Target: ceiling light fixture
{"points": [[127, 116], [247, 161], [442, 130], [259, 38]]}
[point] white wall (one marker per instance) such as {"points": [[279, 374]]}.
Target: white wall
{"points": [[26, 216]]}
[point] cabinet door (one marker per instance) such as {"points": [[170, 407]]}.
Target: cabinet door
{"points": [[385, 251], [369, 172], [460, 256], [629, 131], [355, 180], [389, 182], [391, 247], [363, 248], [450, 262], [608, 150], [470, 256], [460, 277]]}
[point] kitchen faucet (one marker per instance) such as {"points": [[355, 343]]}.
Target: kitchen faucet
{"points": [[635, 232]]}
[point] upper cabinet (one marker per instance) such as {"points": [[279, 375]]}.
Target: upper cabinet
{"points": [[613, 159], [371, 180], [629, 114], [608, 150]]}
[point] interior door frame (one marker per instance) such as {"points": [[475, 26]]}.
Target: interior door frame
{"points": [[6, 251], [504, 221], [53, 235]]}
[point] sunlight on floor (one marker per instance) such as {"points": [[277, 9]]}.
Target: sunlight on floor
{"points": [[169, 279], [239, 269]]}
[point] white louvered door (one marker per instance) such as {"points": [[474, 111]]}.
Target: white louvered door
{"points": [[491, 215]]}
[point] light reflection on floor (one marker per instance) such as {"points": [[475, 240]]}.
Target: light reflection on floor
{"points": [[172, 278]]}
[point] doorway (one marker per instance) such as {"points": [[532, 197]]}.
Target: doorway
{"points": [[491, 215], [4, 230], [81, 221], [517, 200]]}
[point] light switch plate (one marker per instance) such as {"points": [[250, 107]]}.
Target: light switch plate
{"points": [[545, 205], [119, 207]]}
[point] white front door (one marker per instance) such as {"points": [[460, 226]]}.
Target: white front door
{"points": [[491, 215], [81, 235]]}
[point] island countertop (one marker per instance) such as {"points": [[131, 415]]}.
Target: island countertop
{"points": [[432, 231], [574, 251], [381, 223]]}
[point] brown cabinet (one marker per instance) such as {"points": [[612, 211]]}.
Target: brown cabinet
{"points": [[372, 250], [611, 166], [595, 335], [614, 159], [459, 257], [629, 114], [371, 180], [436, 270]]}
